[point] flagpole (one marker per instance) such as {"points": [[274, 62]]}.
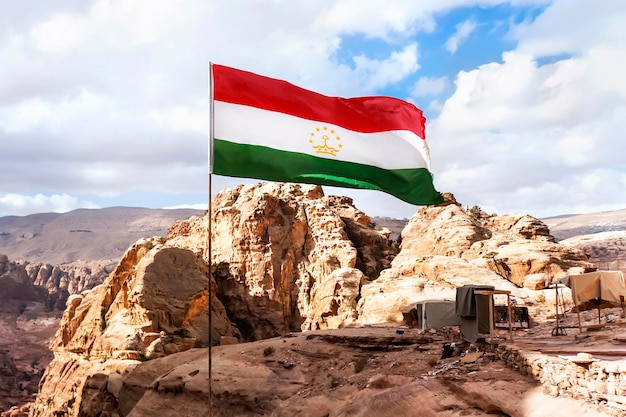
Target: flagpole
{"points": [[209, 228]]}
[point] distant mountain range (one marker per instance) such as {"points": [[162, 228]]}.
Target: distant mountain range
{"points": [[95, 234], [566, 226], [84, 234]]}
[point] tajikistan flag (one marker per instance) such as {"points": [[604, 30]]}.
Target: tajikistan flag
{"points": [[272, 130]]}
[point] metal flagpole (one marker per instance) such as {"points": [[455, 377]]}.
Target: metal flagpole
{"points": [[209, 228]]}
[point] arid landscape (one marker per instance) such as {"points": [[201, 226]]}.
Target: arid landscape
{"points": [[308, 311]]}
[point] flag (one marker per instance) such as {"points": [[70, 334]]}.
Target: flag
{"points": [[272, 130]]}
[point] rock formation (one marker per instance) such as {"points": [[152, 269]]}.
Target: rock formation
{"points": [[57, 282], [280, 251], [605, 249], [444, 247], [284, 258]]}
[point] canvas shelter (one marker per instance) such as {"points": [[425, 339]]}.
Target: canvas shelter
{"points": [[436, 314], [598, 289], [475, 308]]}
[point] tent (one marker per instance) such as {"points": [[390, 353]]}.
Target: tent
{"points": [[474, 310], [604, 286], [598, 289], [436, 314]]}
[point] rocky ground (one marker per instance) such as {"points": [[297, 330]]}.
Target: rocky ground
{"points": [[359, 371], [286, 258], [365, 371], [374, 371]]}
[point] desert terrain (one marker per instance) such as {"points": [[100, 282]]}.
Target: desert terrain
{"points": [[307, 312]]}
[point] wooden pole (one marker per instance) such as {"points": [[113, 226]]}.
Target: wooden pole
{"points": [[556, 306], [510, 314], [491, 313]]}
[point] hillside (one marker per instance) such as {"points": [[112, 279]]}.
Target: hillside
{"points": [[566, 226], [286, 259], [83, 234], [602, 236]]}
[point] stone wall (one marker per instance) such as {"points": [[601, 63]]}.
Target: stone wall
{"points": [[589, 379]]}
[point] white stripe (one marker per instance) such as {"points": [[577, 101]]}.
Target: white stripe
{"points": [[253, 126]]}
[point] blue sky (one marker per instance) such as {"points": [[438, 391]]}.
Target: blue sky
{"points": [[104, 103]]}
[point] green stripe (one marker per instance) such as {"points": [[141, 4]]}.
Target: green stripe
{"points": [[414, 186]]}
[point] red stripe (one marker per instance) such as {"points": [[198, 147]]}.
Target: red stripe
{"points": [[360, 114]]}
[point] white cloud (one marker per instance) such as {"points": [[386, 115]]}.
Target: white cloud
{"points": [[463, 31], [20, 204], [543, 139], [379, 73], [429, 86], [109, 98]]}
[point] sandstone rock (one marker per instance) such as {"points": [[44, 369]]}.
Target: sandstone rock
{"points": [[154, 288], [605, 249], [537, 281], [275, 244], [511, 246], [8, 373], [114, 384], [334, 300], [284, 258], [282, 255]]}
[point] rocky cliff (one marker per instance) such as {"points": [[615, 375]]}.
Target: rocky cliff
{"points": [[26, 325], [602, 236], [607, 250], [55, 283], [284, 258]]}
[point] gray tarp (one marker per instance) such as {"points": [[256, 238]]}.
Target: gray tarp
{"points": [[473, 311], [436, 314]]}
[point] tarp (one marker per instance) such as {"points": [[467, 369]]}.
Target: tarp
{"points": [[598, 288], [436, 314], [473, 311]]}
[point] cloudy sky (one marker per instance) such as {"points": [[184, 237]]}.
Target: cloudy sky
{"points": [[104, 103]]}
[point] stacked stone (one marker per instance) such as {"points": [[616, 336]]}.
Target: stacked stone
{"points": [[589, 380]]}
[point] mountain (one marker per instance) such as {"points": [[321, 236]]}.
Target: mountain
{"points": [[285, 258], [569, 225], [83, 234], [602, 236]]}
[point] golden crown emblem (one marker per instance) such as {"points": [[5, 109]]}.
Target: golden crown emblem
{"points": [[326, 135]]}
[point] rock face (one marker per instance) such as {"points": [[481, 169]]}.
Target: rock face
{"points": [[284, 258], [606, 249], [8, 375], [57, 282], [32, 299], [444, 247], [280, 251], [153, 304]]}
